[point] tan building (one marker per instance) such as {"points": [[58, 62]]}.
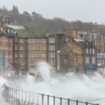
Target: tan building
{"points": [[95, 37], [72, 32], [37, 51], [29, 51], [6, 51], [72, 54]]}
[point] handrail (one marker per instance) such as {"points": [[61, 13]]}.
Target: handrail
{"points": [[21, 97]]}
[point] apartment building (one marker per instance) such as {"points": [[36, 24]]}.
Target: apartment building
{"points": [[55, 41], [90, 57], [6, 45], [72, 32], [6, 52], [37, 51], [29, 51]]}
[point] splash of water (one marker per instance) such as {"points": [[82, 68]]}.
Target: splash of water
{"points": [[2, 81], [44, 70], [30, 79], [84, 88]]}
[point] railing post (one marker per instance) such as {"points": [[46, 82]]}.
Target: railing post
{"points": [[47, 99], [60, 101], [42, 99], [16, 97], [20, 97], [54, 100], [86, 103], [13, 97], [76, 102], [29, 99], [37, 100], [68, 101], [7, 94], [16, 93], [25, 98]]}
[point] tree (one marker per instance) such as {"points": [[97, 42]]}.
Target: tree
{"points": [[15, 10], [26, 13], [33, 14], [4, 9], [36, 15]]}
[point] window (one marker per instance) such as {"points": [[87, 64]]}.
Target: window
{"points": [[21, 41], [31, 40], [93, 60], [87, 59], [22, 63], [28, 40], [32, 55], [51, 40], [8, 30], [52, 61], [43, 55], [44, 40], [43, 48], [37, 48], [16, 39], [21, 55], [31, 62], [87, 50], [51, 55], [15, 55], [21, 48], [51, 47], [93, 50], [31, 47], [12, 31]]}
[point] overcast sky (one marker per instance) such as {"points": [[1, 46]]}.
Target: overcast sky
{"points": [[84, 10]]}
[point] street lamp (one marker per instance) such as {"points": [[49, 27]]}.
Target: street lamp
{"points": [[75, 65], [58, 60]]}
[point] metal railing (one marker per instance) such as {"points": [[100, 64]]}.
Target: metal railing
{"points": [[20, 97]]}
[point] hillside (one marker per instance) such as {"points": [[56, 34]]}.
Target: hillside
{"points": [[38, 25]]}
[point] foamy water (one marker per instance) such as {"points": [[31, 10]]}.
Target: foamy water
{"points": [[84, 88], [2, 82]]}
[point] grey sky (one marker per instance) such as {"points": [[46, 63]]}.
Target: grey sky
{"points": [[84, 10]]}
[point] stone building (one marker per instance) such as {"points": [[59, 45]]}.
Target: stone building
{"points": [[29, 51], [72, 56]]}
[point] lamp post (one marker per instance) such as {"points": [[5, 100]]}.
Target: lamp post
{"points": [[5, 63], [58, 60], [75, 65]]}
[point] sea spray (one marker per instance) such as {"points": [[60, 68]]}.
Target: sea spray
{"points": [[44, 71], [85, 88]]}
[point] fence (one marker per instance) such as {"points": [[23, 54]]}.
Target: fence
{"points": [[20, 97]]}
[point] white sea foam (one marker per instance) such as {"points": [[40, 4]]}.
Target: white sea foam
{"points": [[82, 87]]}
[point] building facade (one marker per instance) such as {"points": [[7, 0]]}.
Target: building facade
{"points": [[90, 57], [29, 51], [69, 51], [6, 52]]}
